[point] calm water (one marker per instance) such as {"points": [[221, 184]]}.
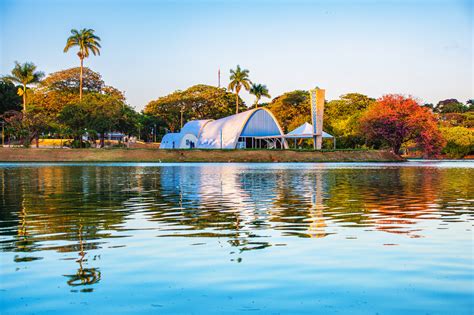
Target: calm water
{"points": [[237, 238]]}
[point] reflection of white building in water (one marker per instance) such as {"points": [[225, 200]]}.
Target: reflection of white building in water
{"points": [[255, 195]]}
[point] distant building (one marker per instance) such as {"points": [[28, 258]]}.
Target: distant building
{"points": [[118, 136]]}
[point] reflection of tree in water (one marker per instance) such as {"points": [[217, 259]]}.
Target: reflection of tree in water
{"points": [[241, 204], [303, 203], [83, 276], [54, 200]]}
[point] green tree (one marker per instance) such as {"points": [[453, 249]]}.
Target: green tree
{"points": [[197, 102], [341, 118], [470, 104], [62, 87], [76, 117], [147, 124], [128, 121], [292, 109], [99, 113], [239, 78], [451, 105], [9, 98], [104, 112], [26, 126], [460, 141], [259, 90], [37, 121], [24, 75], [87, 42]]}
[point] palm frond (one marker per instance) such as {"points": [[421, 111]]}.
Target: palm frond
{"points": [[85, 40]]}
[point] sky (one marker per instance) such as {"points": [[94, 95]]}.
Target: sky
{"points": [[152, 48]]}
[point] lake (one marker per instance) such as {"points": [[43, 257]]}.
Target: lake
{"points": [[335, 238]]}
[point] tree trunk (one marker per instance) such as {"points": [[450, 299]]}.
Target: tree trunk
{"points": [[37, 140], [237, 102], [396, 148], [80, 81], [102, 140], [24, 98]]}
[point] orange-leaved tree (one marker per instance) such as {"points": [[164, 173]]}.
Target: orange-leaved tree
{"points": [[397, 119]]}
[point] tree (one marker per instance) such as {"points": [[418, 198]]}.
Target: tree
{"points": [[451, 105], [397, 119], [9, 98], [76, 117], [429, 105], [104, 112], [99, 113], [37, 121], [259, 90], [62, 87], [238, 78], [26, 126], [147, 124], [14, 126], [25, 74], [86, 41], [128, 120], [197, 102], [68, 81], [341, 118], [291, 109], [460, 141]]}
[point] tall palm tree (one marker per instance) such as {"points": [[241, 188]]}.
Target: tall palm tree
{"points": [[86, 41], [239, 78], [25, 74], [259, 90]]}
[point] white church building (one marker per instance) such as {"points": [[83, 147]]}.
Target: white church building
{"points": [[253, 129]]}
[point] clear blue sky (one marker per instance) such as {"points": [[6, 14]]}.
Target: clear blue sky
{"points": [[151, 48]]}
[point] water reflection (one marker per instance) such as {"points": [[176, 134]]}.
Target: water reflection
{"points": [[79, 209], [83, 276]]}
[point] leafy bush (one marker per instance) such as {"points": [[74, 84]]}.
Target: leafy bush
{"points": [[76, 144], [460, 141]]}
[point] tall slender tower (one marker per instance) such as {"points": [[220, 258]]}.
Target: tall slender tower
{"points": [[219, 78], [317, 111]]}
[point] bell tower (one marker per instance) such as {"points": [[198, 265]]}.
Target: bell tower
{"points": [[317, 111]]}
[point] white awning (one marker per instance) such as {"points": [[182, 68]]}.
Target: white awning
{"points": [[305, 131]]}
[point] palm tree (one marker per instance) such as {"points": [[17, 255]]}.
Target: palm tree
{"points": [[239, 78], [259, 90], [25, 74], [86, 41]]}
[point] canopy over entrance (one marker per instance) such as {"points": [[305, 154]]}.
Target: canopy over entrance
{"points": [[305, 131]]}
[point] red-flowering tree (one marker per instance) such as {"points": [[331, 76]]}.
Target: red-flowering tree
{"points": [[397, 119]]}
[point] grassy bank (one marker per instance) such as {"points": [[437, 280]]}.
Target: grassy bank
{"points": [[153, 155]]}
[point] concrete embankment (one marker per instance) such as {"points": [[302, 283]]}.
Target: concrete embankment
{"points": [[152, 155]]}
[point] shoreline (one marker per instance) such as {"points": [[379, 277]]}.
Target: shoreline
{"points": [[194, 155]]}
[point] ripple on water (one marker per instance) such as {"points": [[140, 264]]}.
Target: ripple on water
{"points": [[230, 238]]}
